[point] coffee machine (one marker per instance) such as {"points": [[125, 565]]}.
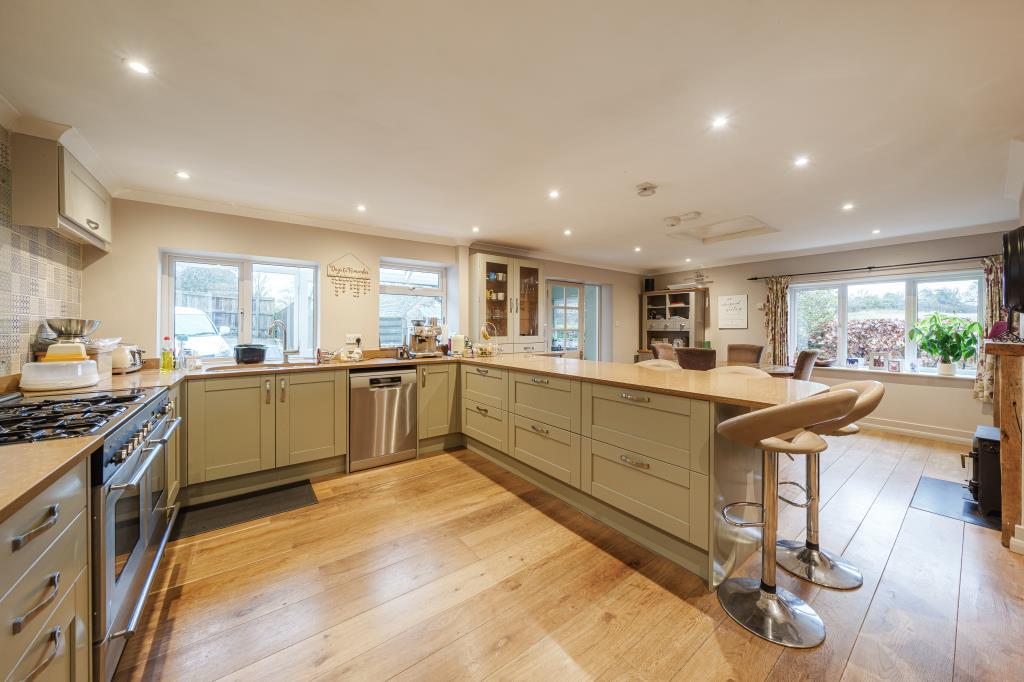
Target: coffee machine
{"points": [[423, 339]]}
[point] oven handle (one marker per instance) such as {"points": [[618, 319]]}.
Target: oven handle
{"points": [[172, 427], [133, 622], [133, 484]]}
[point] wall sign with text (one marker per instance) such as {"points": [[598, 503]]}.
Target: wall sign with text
{"points": [[732, 311]]}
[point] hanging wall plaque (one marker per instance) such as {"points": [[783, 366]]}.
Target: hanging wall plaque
{"points": [[349, 275]]}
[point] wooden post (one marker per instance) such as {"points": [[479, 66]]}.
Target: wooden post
{"points": [[1009, 404]]}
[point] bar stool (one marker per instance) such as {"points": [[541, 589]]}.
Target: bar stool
{"points": [[761, 607], [806, 559], [742, 370]]}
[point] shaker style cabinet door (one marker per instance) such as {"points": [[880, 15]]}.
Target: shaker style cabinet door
{"points": [[308, 405], [230, 427], [83, 199], [529, 304], [436, 412]]}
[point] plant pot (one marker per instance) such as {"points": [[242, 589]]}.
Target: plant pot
{"points": [[947, 369]]}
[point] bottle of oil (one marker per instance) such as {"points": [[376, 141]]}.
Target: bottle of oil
{"points": [[167, 356]]}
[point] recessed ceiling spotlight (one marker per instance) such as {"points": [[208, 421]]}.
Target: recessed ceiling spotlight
{"points": [[876, 232], [138, 67], [719, 122], [801, 161], [361, 208], [688, 260], [567, 232], [848, 206], [553, 194], [183, 175], [637, 249], [476, 228]]}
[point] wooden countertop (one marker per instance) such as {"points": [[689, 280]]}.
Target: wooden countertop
{"points": [[27, 469]]}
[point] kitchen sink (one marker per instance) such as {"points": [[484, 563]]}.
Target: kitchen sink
{"points": [[260, 367]]}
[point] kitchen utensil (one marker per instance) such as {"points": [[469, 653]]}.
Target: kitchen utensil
{"points": [[64, 351], [53, 376], [72, 329], [250, 353], [120, 357]]}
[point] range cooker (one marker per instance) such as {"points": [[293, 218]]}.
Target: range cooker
{"points": [[131, 519]]}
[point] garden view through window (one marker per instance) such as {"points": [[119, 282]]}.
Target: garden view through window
{"points": [[408, 293], [851, 321]]}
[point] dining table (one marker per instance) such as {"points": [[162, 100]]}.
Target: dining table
{"points": [[782, 371]]}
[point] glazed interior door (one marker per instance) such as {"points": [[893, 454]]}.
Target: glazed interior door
{"points": [[567, 318], [529, 303], [498, 297]]}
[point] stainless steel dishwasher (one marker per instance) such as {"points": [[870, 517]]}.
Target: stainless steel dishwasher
{"points": [[382, 418]]}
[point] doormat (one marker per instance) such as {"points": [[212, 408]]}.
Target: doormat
{"points": [[947, 498], [209, 516]]}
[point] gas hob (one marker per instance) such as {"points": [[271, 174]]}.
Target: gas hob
{"points": [[26, 420]]}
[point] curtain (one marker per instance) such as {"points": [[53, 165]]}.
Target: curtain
{"points": [[776, 320], [984, 381]]}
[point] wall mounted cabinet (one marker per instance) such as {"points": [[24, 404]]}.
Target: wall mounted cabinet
{"points": [[52, 189], [510, 294]]}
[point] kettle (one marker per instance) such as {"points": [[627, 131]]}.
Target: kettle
{"points": [[121, 357]]}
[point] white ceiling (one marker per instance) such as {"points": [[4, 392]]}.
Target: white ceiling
{"points": [[443, 115]]}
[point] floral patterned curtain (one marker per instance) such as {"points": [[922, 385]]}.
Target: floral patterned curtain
{"points": [[776, 319], [984, 381]]}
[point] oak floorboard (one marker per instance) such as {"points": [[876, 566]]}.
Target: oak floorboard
{"points": [[909, 632], [991, 608]]}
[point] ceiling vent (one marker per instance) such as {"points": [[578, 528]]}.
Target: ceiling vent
{"points": [[725, 230]]}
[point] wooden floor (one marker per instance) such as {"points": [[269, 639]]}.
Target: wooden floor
{"points": [[449, 568]]}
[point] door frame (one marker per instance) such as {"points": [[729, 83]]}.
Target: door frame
{"points": [[581, 286]]}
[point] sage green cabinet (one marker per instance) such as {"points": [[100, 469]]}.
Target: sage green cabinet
{"points": [[311, 416], [231, 424], [437, 412], [173, 448]]}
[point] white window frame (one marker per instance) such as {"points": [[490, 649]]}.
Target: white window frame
{"points": [[910, 312], [244, 265], [429, 292]]}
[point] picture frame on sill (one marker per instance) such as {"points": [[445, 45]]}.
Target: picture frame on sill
{"points": [[895, 365], [878, 361]]}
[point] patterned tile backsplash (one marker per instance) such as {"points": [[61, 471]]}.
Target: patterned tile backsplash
{"points": [[40, 276]]}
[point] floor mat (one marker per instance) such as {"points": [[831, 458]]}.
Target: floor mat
{"points": [[947, 498], [208, 516]]}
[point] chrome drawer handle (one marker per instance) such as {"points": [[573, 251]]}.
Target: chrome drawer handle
{"points": [[538, 380], [482, 371], [634, 463], [92, 223], [481, 410], [635, 398], [284, 389], [52, 514], [539, 430], [266, 387], [57, 637], [18, 624]]}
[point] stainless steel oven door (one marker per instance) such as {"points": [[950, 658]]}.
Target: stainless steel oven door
{"points": [[133, 520]]}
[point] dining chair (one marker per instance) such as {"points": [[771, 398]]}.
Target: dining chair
{"points": [[744, 352], [664, 351], [805, 364], [696, 358]]}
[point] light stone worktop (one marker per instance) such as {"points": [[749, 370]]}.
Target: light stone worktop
{"points": [[26, 469]]}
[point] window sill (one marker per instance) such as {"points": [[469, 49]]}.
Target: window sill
{"points": [[882, 374]]}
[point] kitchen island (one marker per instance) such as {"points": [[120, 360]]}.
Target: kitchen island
{"points": [[631, 446]]}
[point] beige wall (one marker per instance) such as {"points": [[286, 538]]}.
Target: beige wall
{"points": [[122, 287], [910, 405]]}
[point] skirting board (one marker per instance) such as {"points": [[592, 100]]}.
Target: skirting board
{"points": [[691, 558], [920, 430], [209, 491], [1017, 541]]}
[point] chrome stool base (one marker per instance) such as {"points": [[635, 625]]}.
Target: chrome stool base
{"points": [[818, 566], [783, 617]]}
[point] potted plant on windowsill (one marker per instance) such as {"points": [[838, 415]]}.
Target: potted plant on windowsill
{"points": [[949, 338]]}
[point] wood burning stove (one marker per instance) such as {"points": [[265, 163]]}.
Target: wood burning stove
{"points": [[984, 483]]}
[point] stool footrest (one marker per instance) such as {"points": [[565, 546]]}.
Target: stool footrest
{"points": [[743, 524], [808, 500]]}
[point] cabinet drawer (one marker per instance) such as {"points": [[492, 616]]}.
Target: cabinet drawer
{"points": [[39, 522], [33, 598], [552, 400], [554, 451], [58, 651], [665, 496], [659, 426], [489, 425], [486, 385]]}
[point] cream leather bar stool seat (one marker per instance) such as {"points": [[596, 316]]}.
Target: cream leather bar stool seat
{"points": [[658, 363], [806, 559], [761, 606], [753, 372]]}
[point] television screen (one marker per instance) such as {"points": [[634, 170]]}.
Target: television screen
{"points": [[1013, 269]]}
